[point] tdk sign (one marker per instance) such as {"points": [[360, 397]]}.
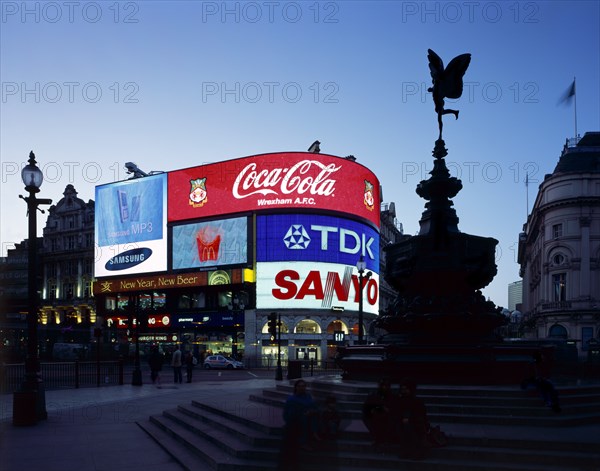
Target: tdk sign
{"points": [[128, 259], [317, 238], [296, 237], [349, 241]]}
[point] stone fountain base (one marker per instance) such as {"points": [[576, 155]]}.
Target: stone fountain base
{"points": [[485, 364]]}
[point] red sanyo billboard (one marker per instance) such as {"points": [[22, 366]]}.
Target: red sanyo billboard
{"points": [[274, 181]]}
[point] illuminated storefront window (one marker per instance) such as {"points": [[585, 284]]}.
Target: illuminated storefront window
{"points": [[307, 326]]}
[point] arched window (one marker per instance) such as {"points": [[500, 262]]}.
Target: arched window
{"points": [[558, 259], [284, 328], [337, 326], [307, 326], [558, 331]]}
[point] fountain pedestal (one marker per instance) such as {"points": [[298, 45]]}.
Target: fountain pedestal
{"points": [[440, 328]]}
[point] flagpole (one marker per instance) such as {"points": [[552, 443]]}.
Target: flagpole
{"points": [[575, 107], [527, 196]]}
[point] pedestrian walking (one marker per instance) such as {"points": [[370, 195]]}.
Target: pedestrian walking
{"points": [[176, 364], [300, 416], [155, 360], [189, 361]]}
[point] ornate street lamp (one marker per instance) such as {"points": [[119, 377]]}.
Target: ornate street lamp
{"points": [[29, 404], [361, 266], [275, 331], [134, 305]]}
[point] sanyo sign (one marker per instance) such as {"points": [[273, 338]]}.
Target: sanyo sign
{"points": [[306, 285]]}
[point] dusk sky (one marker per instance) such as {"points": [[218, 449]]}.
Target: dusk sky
{"points": [[89, 86]]}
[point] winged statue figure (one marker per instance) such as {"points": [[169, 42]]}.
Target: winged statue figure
{"points": [[447, 83]]}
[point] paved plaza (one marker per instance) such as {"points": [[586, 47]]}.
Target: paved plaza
{"points": [[95, 429]]}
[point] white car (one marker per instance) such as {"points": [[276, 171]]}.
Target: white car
{"points": [[220, 361]]}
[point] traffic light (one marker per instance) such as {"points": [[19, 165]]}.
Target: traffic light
{"points": [[273, 324]]}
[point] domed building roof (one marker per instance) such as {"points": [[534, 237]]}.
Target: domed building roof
{"points": [[582, 158]]}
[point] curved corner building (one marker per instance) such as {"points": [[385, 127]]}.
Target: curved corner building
{"points": [[203, 255]]}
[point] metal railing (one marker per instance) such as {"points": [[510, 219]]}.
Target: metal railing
{"points": [[309, 367], [65, 375]]}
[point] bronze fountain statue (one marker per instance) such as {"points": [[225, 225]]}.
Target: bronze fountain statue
{"points": [[447, 83], [440, 328]]}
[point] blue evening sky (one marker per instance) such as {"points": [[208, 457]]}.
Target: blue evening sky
{"points": [[91, 85]]}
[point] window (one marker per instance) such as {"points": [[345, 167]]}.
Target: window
{"points": [[558, 331], [52, 291], [557, 231], [87, 289], [587, 334], [558, 259], [88, 266], [68, 291], [283, 326], [193, 300], [89, 239], [69, 267], [308, 326], [70, 242], [110, 303], [122, 302], [159, 300], [224, 298], [51, 270], [145, 301], [559, 287]]}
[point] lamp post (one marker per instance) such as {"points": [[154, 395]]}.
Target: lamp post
{"points": [[29, 404], [361, 266], [136, 377], [274, 326], [279, 372]]}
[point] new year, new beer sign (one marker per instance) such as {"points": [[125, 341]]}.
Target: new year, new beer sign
{"points": [[274, 181]]}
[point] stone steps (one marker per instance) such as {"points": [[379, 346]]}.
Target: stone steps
{"points": [[535, 413], [521, 399], [246, 434]]}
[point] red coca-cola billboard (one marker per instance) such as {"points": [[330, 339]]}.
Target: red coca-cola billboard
{"points": [[274, 181]]}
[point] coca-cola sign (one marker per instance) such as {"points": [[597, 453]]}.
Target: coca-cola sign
{"points": [[297, 179], [274, 181]]}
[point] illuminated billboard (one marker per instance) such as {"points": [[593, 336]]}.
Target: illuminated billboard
{"points": [[318, 238], [310, 285], [210, 244], [130, 226], [274, 181]]}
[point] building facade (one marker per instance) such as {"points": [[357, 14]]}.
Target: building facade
{"points": [[14, 302], [67, 307], [203, 256], [391, 232], [515, 295], [66, 304], [559, 250]]}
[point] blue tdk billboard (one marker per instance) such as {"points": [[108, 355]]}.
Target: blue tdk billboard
{"points": [[315, 238]]}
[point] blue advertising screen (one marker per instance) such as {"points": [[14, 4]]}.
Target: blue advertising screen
{"points": [[211, 243], [131, 211], [315, 238]]}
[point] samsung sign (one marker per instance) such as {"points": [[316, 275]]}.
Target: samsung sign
{"points": [[315, 238], [131, 227], [128, 259]]}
